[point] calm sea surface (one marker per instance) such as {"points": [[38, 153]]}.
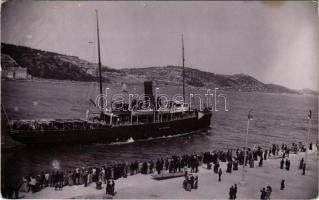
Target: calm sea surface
{"points": [[277, 118]]}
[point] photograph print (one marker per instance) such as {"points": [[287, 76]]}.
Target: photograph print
{"points": [[159, 99]]}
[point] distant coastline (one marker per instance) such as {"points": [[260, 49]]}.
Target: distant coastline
{"points": [[307, 92], [43, 66]]}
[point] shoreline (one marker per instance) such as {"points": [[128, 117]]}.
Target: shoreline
{"points": [[158, 83], [144, 187]]}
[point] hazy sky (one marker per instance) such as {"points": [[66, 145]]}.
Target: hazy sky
{"points": [[275, 42]]}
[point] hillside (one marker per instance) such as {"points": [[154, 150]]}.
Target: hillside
{"points": [[7, 62], [44, 64], [49, 65], [197, 78]]}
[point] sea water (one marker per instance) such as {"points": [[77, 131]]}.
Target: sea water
{"points": [[277, 118]]}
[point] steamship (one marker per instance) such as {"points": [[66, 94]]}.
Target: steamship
{"points": [[134, 121]]}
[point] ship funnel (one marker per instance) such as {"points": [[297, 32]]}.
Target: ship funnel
{"points": [[148, 91], [148, 88]]}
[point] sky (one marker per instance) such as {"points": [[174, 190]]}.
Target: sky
{"points": [[275, 42]]}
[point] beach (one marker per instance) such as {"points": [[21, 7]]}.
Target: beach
{"points": [[297, 186]]}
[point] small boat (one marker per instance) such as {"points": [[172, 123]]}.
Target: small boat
{"points": [[163, 176]]}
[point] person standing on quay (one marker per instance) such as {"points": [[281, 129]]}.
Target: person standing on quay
{"points": [[282, 163], [301, 163], [282, 185], [113, 188], [287, 164], [251, 163], [261, 162], [268, 192], [263, 194], [108, 188], [196, 182], [265, 154], [235, 191], [231, 193], [220, 174]]}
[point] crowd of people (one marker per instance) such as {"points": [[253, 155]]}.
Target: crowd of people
{"points": [[106, 174], [96, 175], [45, 125]]}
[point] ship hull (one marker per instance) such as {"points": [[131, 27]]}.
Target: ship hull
{"points": [[113, 133]]}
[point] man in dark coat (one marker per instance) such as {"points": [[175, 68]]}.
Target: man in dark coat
{"points": [[261, 162], [251, 164], [282, 184], [255, 155], [282, 163], [85, 178], [42, 180], [268, 192], [158, 167], [288, 167], [192, 179], [108, 188], [197, 165], [196, 182], [301, 163], [235, 168], [235, 191], [231, 193], [220, 174], [269, 152], [304, 169], [144, 168], [263, 194], [216, 166], [269, 188], [151, 166], [265, 154], [287, 164], [228, 170], [112, 188]]}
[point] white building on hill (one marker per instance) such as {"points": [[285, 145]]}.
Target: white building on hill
{"points": [[11, 70]]}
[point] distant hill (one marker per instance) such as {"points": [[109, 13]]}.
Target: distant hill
{"points": [[197, 78], [44, 64], [49, 65], [308, 92], [278, 89]]}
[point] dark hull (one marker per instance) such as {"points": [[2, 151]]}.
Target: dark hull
{"points": [[114, 133]]}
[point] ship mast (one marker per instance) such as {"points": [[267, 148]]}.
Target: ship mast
{"points": [[183, 69], [99, 63]]}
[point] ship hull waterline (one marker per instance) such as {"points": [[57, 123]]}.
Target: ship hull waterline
{"points": [[112, 133]]}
